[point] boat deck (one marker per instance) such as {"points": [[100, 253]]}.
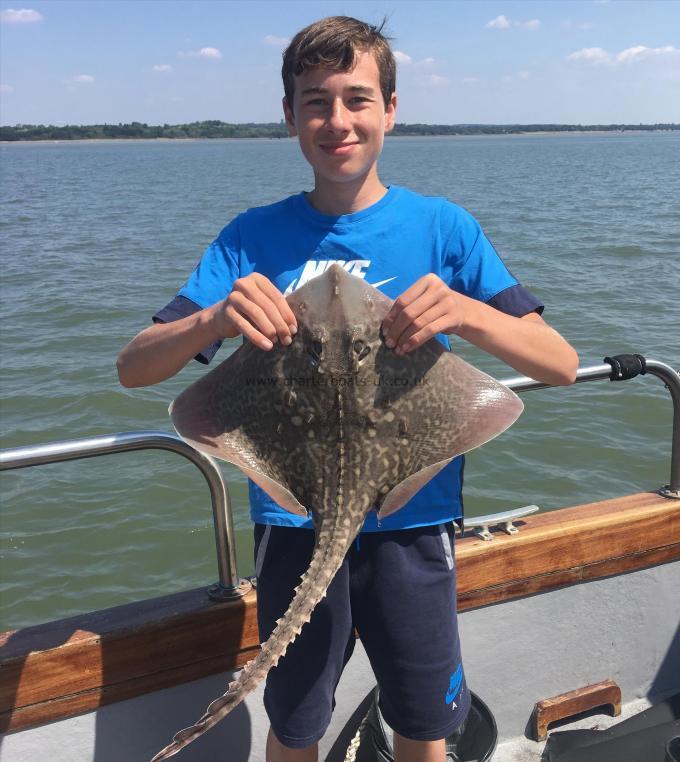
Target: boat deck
{"points": [[523, 749]]}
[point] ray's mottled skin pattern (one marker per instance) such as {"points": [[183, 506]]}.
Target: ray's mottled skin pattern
{"points": [[336, 425]]}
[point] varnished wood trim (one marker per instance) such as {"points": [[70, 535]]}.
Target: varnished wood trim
{"points": [[75, 665], [73, 704], [541, 583], [569, 539], [606, 693]]}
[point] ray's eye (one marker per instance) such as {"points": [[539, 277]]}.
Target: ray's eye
{"points": [[361, 348], [315, 351]]}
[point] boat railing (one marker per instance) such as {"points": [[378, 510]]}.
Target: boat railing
{"points": [[623, 368], [230, 585]]}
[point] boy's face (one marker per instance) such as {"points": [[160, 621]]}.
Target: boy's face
{"points": [[340, 119]]}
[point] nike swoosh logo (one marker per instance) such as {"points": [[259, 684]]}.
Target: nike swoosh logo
{"points": [[382, 282], [454, 684]]}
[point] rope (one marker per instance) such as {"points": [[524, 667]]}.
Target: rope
{"points": [[355, 743]]}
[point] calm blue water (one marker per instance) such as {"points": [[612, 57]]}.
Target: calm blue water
{"points": [[97, 236]]}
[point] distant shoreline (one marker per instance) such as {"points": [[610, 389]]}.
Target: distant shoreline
{"points": [[489, 136], [216, 130]]}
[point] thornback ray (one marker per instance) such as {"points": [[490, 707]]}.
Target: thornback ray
{"points": [[334, 426]]}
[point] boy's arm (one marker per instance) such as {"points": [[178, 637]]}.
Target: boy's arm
{"points": [[255, 308], [528, 344]]}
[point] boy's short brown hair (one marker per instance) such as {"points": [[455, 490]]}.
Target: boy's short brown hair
{"points": [[334, 42]]}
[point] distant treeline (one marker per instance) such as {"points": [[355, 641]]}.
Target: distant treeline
{"points": [[136, 130], [518, 129], [217, 129]]}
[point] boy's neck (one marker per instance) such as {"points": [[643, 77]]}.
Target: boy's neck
{"points": [[335, 199]]}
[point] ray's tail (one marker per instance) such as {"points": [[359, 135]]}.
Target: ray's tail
{"points": [[329, 551]]}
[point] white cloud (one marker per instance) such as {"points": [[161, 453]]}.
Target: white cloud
{"points": [[594, 55], [666, 49], [85, 79], [503, 22], [500, 22], [629, 55], [429, 62], [162, 67], [402, 58], [642, 51], [210, 53], [470, 80], [277, 42], [23, 16], [524, 74], [6, 89], [436, 80]]}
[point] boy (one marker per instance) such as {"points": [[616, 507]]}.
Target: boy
{"points": [[399, 581]]}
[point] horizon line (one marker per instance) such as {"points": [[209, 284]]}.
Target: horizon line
{"points": [[218, 122]]}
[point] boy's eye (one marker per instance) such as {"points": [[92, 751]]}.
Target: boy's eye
{"points": [[354, 100], [359, 100]]}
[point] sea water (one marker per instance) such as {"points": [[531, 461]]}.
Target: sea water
{"points": [[97, 236]]}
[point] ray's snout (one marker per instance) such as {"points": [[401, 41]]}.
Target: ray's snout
{"points": [[341, 316]]}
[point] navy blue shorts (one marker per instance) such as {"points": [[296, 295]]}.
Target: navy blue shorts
{"points": [[398, 589]]}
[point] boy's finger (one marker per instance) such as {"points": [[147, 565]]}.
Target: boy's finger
{"points": [[251, 333], [408, 314], [267, 317], [421, 327], [402, 301], [280, 300], [273, 314], [418, 338], [280, 314], [428, 284], [255, 315], [442, 317]]}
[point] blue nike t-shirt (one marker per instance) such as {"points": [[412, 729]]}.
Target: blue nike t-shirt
{"points": [[390, 244]]}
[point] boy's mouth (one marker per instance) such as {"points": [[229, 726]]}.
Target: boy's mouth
{"points": [[338, 149]]}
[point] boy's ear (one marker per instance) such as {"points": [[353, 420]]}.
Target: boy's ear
{"points": [[290, 119], [391, 113]]}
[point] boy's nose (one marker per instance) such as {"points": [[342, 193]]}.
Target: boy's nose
{"points": [[337, 117]]}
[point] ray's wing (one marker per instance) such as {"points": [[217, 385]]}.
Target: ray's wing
{"points": [[231, 413], [443, 407]]}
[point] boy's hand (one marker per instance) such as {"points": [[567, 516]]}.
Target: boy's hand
{"points": [[428, 307], [256, 309]]}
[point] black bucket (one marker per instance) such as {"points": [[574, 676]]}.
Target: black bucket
{"points": [[474, 742]]}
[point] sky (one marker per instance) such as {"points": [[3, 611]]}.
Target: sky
{"points": [[467, 61]]}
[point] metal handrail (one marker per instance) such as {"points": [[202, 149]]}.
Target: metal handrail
{"points": [[666, 373], [230, 585]]}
